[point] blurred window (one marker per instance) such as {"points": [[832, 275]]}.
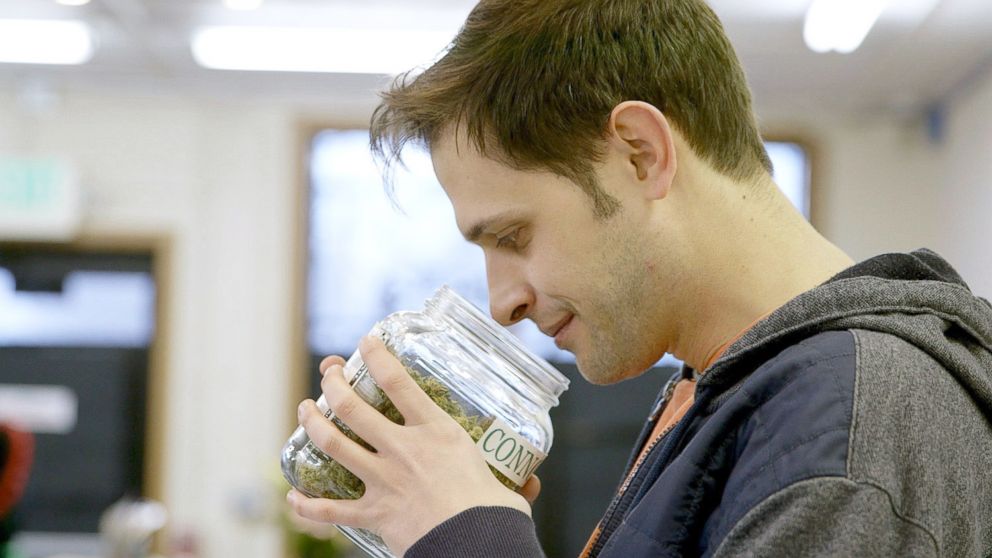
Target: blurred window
{"points": [[791, 172], [93, 309], [369, 258]]}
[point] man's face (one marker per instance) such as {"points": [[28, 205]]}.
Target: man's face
{"points": [[588, 282]]}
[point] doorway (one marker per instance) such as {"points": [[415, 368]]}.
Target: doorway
{"points": [[78, 332]]}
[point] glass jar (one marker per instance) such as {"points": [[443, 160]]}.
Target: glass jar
{"points": [[474, 369]]}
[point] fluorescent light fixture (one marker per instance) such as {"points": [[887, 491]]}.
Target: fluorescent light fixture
{"points": [[72, 2], [38, 41], [294, 49], [242, 4], [840, 25]]}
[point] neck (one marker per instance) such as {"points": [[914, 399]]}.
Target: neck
{"points": [[752, 256]]}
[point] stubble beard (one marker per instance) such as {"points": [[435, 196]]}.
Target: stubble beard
{"points": [[616, 327]]}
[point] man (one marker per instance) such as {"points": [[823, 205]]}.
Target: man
{"points": [[605, 156]]}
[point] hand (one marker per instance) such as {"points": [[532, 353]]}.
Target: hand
{"points": [[315, 529], [530, 490], [423, 472]]}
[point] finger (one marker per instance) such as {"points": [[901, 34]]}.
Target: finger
{"points": [[363, 419], [333, 442], [324, 510], [330, 361], [411, 401], [531, 489], [316, 529]]}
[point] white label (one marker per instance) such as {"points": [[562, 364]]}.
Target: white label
{"points": [[508, 453], [40, 409]]}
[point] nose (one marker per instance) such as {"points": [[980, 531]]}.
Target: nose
{"points": [[511, 299]]}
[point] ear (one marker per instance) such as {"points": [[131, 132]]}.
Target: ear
{"points": [[642, 135]]}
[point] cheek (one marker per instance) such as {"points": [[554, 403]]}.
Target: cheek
{"points": [[651, 267], [544, 274], [565, 257]]}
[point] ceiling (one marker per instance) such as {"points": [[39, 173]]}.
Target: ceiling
{"points": [[919, 53]]}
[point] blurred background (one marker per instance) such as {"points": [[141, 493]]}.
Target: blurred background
{"points": [[189, 220]]}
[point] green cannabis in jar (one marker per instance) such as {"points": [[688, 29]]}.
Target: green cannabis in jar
{"points": [[329, 479]]}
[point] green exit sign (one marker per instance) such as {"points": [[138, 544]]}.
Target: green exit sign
{"points": [[39, 199]]}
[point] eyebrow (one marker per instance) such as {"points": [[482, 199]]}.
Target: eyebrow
{"points": [[476, 230]]}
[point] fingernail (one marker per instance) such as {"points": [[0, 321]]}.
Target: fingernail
{"points": [[301, 411], [291, 496]]}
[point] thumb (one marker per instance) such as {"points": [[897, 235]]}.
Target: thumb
{"points": [[531, 489]]}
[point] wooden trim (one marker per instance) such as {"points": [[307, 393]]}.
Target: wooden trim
{"points": [[300, 350], [159, 364]]}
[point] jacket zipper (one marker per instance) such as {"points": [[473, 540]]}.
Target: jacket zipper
{"points": [[668, 392], [633, 472], [610, 524]]}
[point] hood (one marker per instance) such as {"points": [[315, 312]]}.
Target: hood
{"points": [[917, 297]]}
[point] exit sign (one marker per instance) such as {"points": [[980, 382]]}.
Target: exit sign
{"points": [[39, 199]]}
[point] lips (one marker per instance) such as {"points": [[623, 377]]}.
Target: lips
{"points": [[555, 329]]}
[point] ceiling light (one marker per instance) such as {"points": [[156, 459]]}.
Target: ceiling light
{"points": [[293, 49], [840, 25], [72, 2], [242, 4], [37, 41]]}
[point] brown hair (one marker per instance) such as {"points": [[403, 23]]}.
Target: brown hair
{"points": [[533, 83]]}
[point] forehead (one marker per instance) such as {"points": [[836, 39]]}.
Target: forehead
{"points": [[479, 186], [484, 190], [459, 165]]}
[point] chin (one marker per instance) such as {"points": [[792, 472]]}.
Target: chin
{"points": [[606, 375], [599, 381], [598, 377]]}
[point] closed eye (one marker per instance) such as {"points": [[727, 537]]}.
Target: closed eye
{"points": [[507, 240]]}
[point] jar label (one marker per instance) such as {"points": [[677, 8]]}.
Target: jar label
{"points": [[508, 453]]}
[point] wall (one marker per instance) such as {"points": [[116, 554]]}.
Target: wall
{"points": [[964, 191], [884, 184], [873, 179], [219, 179], [218, 176]]}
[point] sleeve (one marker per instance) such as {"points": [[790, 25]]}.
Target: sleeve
{"points": [[481, 532], [827, 516]]}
